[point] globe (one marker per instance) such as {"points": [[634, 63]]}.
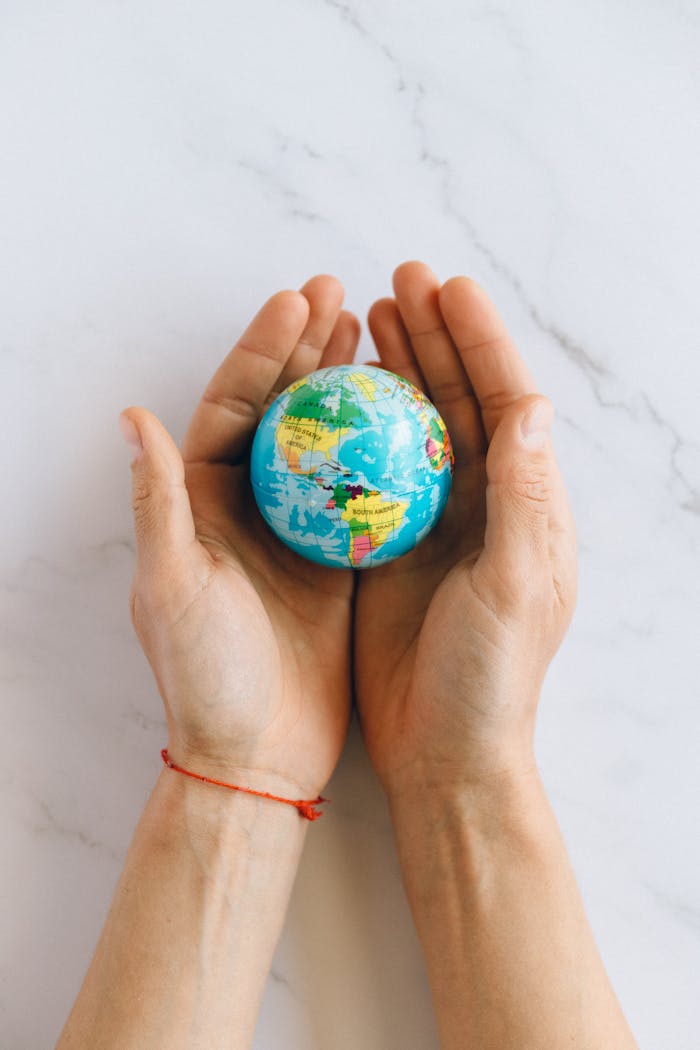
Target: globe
{"points": [[351, 466]]}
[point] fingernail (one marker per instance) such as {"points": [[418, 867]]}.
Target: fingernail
{"points": [[131, 436], [536, 425]]}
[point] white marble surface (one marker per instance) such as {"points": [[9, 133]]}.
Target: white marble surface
{"points": [[165, 167]]}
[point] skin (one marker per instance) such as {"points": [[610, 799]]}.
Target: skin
{"points": [[452, 643], [249, 642], [254, 652], [456, 699], [250, 647]]}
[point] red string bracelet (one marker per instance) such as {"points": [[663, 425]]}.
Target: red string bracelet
{"points": [[307, 807]]}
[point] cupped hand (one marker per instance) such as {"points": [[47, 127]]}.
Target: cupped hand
{"points": [[452, 640], [249, 642]]}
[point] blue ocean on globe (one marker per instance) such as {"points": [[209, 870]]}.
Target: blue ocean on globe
{"points": [[351, 466]]}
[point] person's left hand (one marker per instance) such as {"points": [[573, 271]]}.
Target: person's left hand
{"points": [[453, 640], [248, 641]]}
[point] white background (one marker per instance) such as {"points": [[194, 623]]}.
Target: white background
{"points": [[164, 168]]}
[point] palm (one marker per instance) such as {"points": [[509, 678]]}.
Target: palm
{"points": [[407, 609], [422, 613], [253, 661], [393, 599], [284, 619]]}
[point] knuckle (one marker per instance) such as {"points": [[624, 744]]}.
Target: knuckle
{"points": [[235, 404], [532, 486], [496, 401], [141, 492], [145, 514], [133, 603], [150, 500], [565, 595], [138, 611], [565, 579]]}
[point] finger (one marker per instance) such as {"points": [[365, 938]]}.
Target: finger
{"points": [[495, 368], [392, 342], [342, 345], [324, 295], [528, 515], [225, 419], [417, 296], [163, 522]]}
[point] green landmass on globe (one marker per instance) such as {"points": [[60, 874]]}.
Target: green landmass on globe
{"points": [[351, 466]]}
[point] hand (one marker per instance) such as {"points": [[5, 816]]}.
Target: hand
{"points": [[452, 640], [249, 642]]}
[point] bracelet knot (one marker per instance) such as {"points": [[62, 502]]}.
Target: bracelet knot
{"points": [[309, 808]]}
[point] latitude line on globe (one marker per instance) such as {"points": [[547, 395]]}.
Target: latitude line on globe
{"points": [[371, 404], [287, 472], [298, 426], [379, 424], [392, 502], [340, 425], [314, 532], [363, 438]]}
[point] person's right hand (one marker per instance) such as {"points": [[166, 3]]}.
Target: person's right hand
{"points": [[248, 641], [452, 640]]}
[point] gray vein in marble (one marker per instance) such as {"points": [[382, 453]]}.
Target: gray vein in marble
{"points": [[692, 504], [687, 914], [298, 207], [497, 16], [574, 425], [595, 372], [53, 826], [96, 555], [351, 17], [296, 203], [634, 629], [115, 543], [287, 142], [24, 570], [281, 980], [143, 721]]}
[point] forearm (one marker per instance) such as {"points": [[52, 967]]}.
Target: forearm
{"points": [[196, 915], [511, 958]]}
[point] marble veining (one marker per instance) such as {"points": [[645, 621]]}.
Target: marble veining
{"points": [[167, 168]]}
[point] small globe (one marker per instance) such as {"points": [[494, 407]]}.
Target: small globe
{"points": [[351, 466]]}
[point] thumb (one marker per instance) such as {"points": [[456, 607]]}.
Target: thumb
{"points": [[162, 514], [520, 470]]}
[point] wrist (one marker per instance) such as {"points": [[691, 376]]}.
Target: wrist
{"points": [[452, 844], [509, 803], [477, 776], [196, 915], [247, 768], [219, 825]]}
